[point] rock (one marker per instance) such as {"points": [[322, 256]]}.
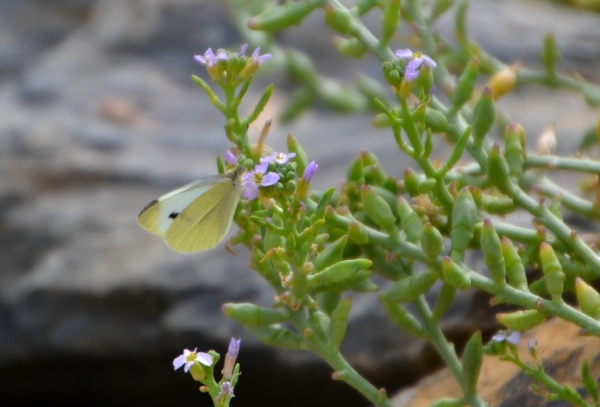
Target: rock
{"points": [[503, 384]]}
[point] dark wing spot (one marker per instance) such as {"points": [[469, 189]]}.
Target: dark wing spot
{"points": [[173, 215]]}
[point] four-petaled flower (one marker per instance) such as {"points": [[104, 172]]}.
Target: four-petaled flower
{"points": [[415, 60], [188, 358], [226, 390], [257, 178], [512, 337], [279, 158], [309, 171], [209, 58]]}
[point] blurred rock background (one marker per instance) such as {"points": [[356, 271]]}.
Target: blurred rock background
{"points": [[98, 116]]}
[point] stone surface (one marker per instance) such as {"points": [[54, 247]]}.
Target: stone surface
{"points": [[98, 117], [561, 349]]}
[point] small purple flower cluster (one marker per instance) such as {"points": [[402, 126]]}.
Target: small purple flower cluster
{"points": [[415, 60], [261, 177], [210, 59]]}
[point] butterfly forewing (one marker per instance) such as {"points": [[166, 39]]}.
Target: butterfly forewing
{"points": [[196, 216], [199, 226]]}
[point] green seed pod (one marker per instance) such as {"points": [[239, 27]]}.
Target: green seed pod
{"points": [[355, 171], [338, 19], [550, 55], [515, 153], [444, 301], [435, 120], [555, 277], [355, 283], [331, 255], [253, 315], [370, 160], [381, 120], [464, 217], [412, 225], [405, 320], [492, 253], [320, 324], [328, 300], [521, 320], [514, 267], [388, 196], [373, 175], [484, 114], [455, 275], [300, 159], [340, 271], [465, 86], [278, 18], [432, 242], [461, 24], [390, 20], [497, 205], [472, 358], [276, 335], [588, 298], [357, 233], [411, 182], [372, 90], [300, 101], [324, 200], [340, 98], [339, 322], [409, 288], [366, 285], [350, 47], [498, 171], [377, 208]]}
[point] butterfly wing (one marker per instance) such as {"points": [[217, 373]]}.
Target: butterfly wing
{"points": [[205, 221]]}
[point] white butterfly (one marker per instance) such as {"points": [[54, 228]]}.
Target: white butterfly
{"points": [[197, 216]]}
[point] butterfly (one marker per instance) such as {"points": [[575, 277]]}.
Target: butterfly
{"points": [[195, 217]]}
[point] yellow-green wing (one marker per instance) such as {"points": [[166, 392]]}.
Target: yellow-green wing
{"points": [[204, 222], [158, 216]]}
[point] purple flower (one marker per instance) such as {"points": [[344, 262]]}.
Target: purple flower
{"points": [[257, 178], [309, 171], [242, 50], [531, 344], [279, 158], [417, 58], [230, 158], [226, 390], [188, 358], [209, 59], [230, 357], [512, 337], [259, 59], [411, 73]]}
